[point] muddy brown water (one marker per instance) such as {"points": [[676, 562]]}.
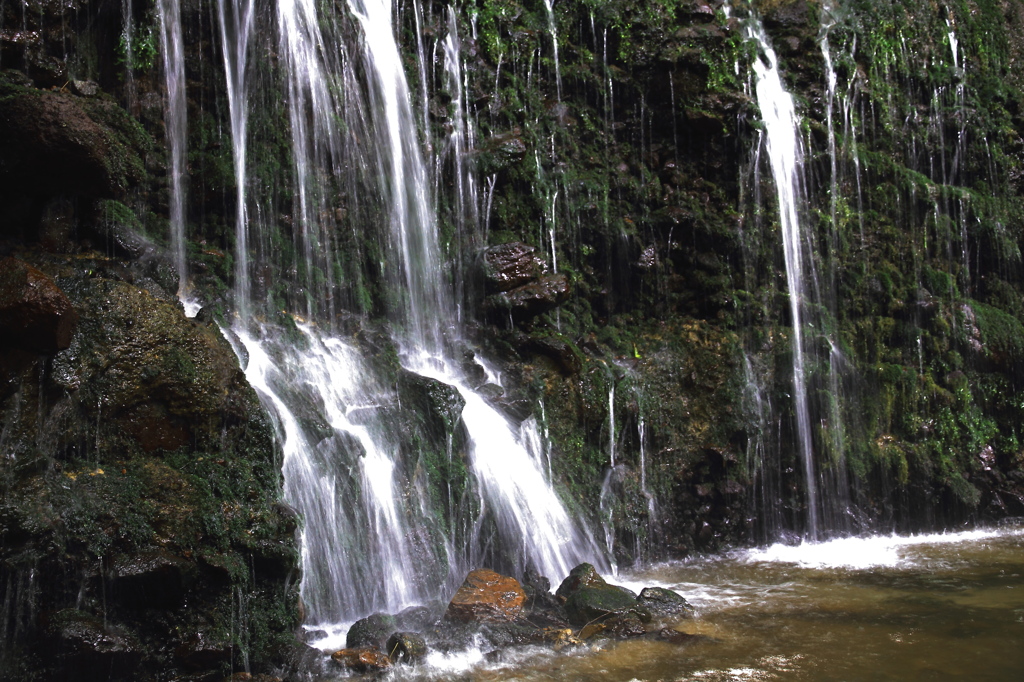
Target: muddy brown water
{"points": [[940, 607]]}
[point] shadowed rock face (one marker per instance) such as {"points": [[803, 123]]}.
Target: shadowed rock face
{"points": [[35, 315], [56, 142], [138, 460]]}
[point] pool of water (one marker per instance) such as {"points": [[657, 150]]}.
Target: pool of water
{"points": [[936, 607]]}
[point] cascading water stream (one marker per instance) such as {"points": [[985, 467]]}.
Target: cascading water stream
{"points": [[784, 152], [358, 558], [176, 127], [549, 6], [236, 20]]}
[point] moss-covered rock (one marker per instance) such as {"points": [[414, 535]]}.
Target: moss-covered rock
{"points": [[140, 462]]}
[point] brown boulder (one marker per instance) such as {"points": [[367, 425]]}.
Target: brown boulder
{"points": [[361, 660], [35, 315], [486, 597]]}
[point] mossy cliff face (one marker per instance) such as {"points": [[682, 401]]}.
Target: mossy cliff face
{"points": [[140, 495], [141, 530], [642, 176]]}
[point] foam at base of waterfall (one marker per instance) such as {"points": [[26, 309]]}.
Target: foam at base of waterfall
{"points": [[862, 552], [191, 304]]}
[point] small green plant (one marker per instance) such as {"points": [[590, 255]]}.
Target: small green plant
{"points": [[137, 49]]}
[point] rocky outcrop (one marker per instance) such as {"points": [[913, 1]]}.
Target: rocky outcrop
{"points": [[58, 143], [486, 596], [35, 315], [520, 286], [138, 460]]}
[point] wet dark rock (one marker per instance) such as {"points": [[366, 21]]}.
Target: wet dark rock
{"points": [[202, 652], [664, 603], [276, 558], [507, 266], [525, 633], [419, 618], [567, 356], [372, 631], [530, 300], [486, 596], [302, 661], [406, 647], [789, 14], [67, 144], [249, 677], [84, 88], [584, 575], [491, 392], [502, 151], [35, 314], [624, 626], [150, 579], [117, 232], [361, 660], [679, 638], [91, 649], [591, 603]]}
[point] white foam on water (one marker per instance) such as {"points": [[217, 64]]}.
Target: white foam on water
{"points": [[453, 662], [861, 552], [333, 638]]}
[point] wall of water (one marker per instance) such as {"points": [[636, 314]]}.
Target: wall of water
{"points": [[376, 537]]}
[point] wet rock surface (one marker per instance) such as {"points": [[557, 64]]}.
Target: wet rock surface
{"points": [[595, 611], [508, 266], [139, 460], [361, 660], [406, 647], [140, 440], [35, 315], [371, 632], [486, 596]]}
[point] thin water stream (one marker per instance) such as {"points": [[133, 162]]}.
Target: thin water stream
{"points": [[936, 607]]}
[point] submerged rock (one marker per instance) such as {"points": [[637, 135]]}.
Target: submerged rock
{"points": [[664, 603], [486, 596]]}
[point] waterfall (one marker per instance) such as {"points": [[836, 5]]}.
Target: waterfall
{"points": [[611, 425], [176, 126], [549, 6], [355, 559], [374, 538], [785, 156], [236, 20]]}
